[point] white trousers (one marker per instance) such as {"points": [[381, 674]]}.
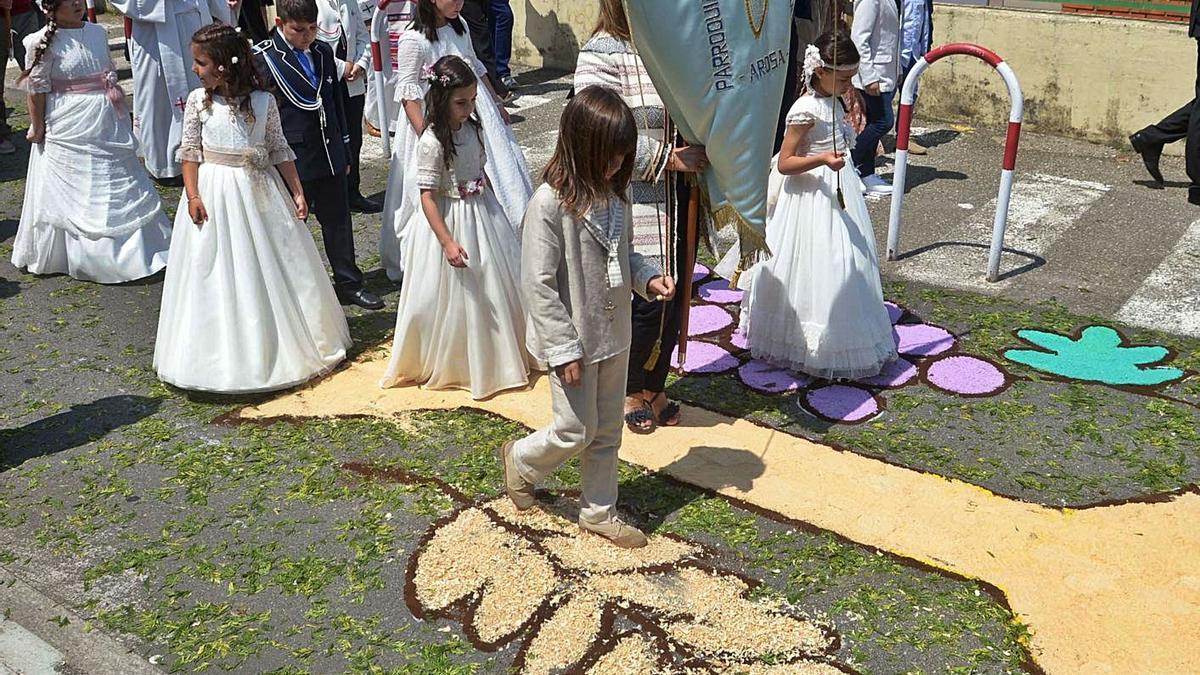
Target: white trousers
{"points": [[588, 421]]}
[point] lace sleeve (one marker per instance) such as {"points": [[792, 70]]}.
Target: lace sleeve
{"points": [[191, 144], [430, 165], [410, 57], [278, 150], [38, 81]]}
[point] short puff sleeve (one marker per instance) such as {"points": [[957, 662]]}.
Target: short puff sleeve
{"points": [[38, 81], [431, 165], [804, 112]]}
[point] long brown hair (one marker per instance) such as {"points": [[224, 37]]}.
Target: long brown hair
{"points": [[49, 7], [230, 52], [449, 74], [595, 128], [613, 20]]}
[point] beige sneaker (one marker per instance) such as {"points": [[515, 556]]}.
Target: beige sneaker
{"points": [[519, 490], [617, 531], [915, 148]]}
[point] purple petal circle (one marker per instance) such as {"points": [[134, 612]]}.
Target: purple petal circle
{"points": [[895, 374], [705, 319], [966, 376], [739, 340], [719, 292], [895, 312], [705, 357], [921, 339], [700, 272], [843, 403], [762, 376]]}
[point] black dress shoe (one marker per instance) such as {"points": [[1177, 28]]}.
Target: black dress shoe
{"points": [[360, 204], [1194, 195], [1150, 155], [171, 181], [361, 297]]}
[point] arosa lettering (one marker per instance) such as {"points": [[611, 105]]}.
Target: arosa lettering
{"points": [[722, 62], [766, 64]]}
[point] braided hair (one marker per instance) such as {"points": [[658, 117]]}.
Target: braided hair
{"points": [[230, 53], [50, 7], [448, 74]]}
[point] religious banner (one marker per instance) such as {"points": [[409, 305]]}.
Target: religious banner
{"points": [[720, 66]]}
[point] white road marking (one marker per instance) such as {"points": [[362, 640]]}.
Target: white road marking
{"points": [[1169, 299], [1043, 207]]}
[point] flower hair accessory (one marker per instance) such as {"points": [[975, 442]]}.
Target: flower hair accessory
{"points": [[813, 60], [429, 76], [233, 60]]}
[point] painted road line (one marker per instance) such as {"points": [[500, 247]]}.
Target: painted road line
{"points": [[1042, 209], [1169, 299]]}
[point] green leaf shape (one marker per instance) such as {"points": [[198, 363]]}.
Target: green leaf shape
{"points": [[1097, 356]]}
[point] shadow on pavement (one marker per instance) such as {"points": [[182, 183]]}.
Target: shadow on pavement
{"points": [[80, 425]]}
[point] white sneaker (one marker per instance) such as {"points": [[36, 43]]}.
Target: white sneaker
{"points": [[875, 185]]}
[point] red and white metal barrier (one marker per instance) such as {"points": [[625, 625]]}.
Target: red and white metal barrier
{"points": [[907, 97], [91, 10], [379, 38]]}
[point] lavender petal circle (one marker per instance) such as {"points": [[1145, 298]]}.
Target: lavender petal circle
{"points": [[718, 291], [921, 339], [896, 374], [739, 340], [965, 375], [895, 312], [843, 403], [705, 319], [762, 376], [705, 357], [699, 273]]}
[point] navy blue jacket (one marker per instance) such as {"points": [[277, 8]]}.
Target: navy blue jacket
{"points": [[318, 155]]}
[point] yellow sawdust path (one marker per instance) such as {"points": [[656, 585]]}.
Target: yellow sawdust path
{"points": [[1105, 590]]}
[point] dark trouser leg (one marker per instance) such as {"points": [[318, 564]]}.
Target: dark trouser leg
{"points": [[791, 86], [475, 13], [1192, 152], [253, 21], [329, 203], [648, 317], [354, 117], [878, 110], [502, 20]]}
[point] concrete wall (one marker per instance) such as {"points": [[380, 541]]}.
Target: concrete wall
{"points": [[1091, 77]]}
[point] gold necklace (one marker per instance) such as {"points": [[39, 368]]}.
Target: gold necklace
{"points": [[756, 28]]}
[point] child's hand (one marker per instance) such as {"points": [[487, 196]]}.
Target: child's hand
{"points": [[197, 212], [301, 206], [455, 255], [571, 374], [353, 71], [36, 134], [834, 160], [662, 288]]}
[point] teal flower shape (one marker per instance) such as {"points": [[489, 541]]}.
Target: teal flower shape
{"points": [[1099, 354]]}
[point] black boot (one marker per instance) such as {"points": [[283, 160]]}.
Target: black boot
{"points": [[1150, 153]]}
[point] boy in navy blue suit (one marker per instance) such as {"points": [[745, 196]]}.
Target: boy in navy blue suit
{"points": [[304, 79]]}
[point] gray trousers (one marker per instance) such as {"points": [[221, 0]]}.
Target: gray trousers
{"points": [[588, 421]]}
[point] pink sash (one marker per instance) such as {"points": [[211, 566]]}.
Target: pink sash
{"points": [[105, 82]]}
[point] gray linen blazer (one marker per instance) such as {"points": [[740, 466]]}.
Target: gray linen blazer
{"points": [[564, 283]]}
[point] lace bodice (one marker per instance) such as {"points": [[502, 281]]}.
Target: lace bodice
{"points": [[414, 52], [465, 176], [820, 113], [223, 127], [74, 53]]}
